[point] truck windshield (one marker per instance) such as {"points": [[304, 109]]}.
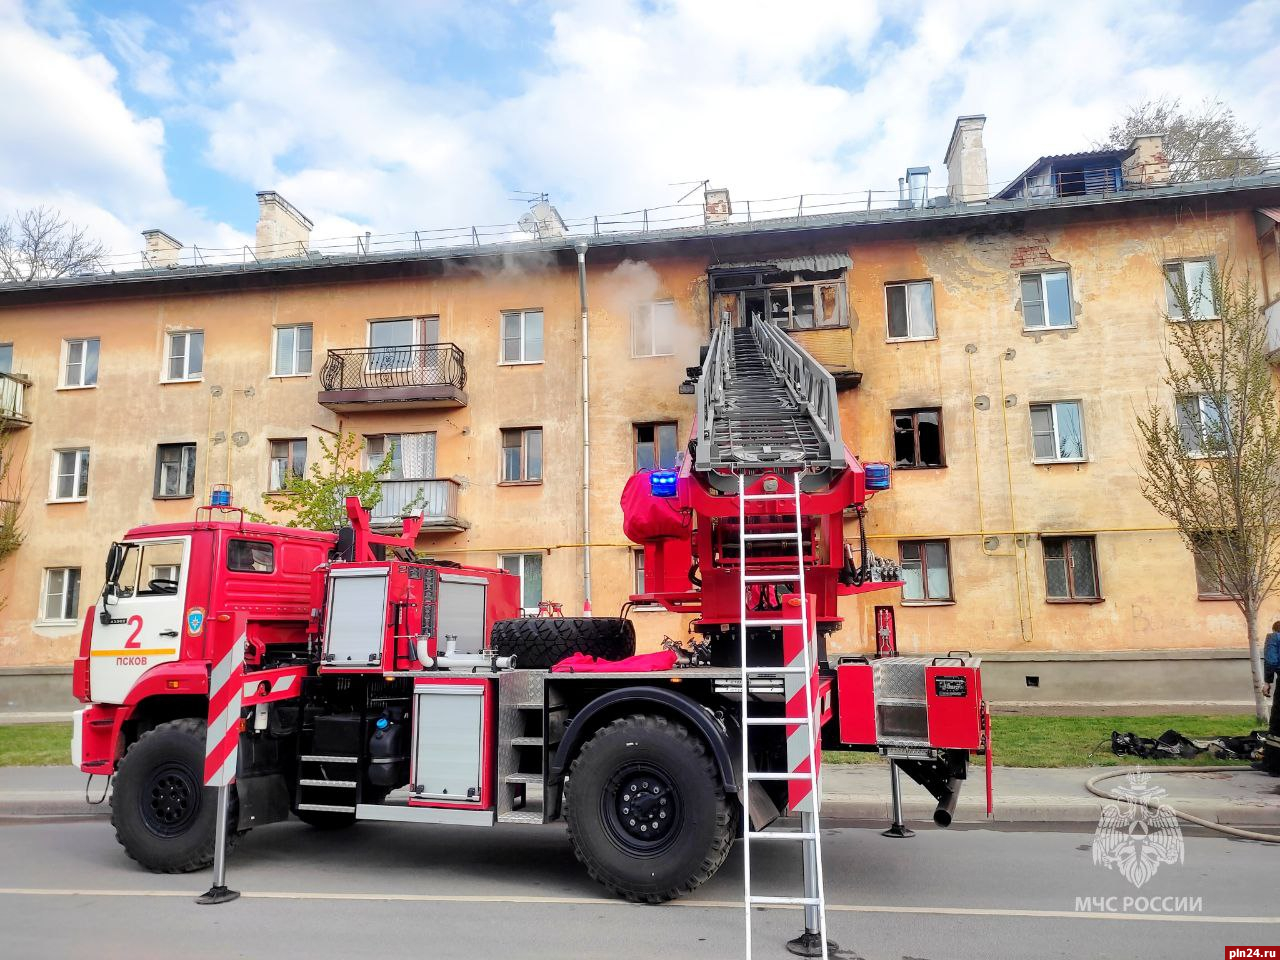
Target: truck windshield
{"points": [[147, 569]]}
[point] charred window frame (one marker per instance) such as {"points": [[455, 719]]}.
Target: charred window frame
{"points": [[918, 439], [794, 300]]}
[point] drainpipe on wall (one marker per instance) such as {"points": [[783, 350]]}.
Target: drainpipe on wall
{"points": [[581, 247]]}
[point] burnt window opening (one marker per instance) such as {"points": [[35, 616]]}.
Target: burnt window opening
{"points": [[917, 439], [794, 300]]}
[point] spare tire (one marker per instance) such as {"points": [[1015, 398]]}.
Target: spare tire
{"points": [[541, 642]]}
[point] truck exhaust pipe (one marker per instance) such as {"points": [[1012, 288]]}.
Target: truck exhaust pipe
{"points": [[947, 798], [940, 779]]}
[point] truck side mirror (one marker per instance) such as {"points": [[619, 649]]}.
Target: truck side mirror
{"points": [[115, 561]]}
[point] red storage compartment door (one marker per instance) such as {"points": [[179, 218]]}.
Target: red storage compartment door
{"points": [[954, 696], [856, 687]]}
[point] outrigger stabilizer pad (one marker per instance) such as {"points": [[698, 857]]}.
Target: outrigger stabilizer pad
{"points": [[810, 945], [898, 830], [217, 894]]}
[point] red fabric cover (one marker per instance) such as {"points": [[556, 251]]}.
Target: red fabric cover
{"points": [[646, 517], [641, 663]]}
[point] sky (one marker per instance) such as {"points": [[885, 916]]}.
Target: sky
{"points": [[421, 114]]}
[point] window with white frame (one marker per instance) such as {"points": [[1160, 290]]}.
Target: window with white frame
{"points": [[175, 470], [522, 455], [926, 570], [60, 595], [185, 356], [909, 307], [1188, 290], [528, 567], [413, 455], [293, 350], [638, 561], [1057, 432], [522, 336], [288, 458], [653, 328], [1204, 424], [1046, 300], [80, 363], [69, 478]]}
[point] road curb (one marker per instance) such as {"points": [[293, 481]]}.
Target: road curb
{"points": [[60, 803]]}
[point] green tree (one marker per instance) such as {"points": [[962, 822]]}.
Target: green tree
{"points": [[1205, 142], [1211, 464], [317, 500], [11, 533]]}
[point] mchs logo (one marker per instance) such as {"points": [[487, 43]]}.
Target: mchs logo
{"points": [[1136, 837]]}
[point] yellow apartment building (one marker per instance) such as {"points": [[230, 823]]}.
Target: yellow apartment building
{"points": [[993, 347]]}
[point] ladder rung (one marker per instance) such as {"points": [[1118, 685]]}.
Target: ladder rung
{"points": [[778, 776], [780, 835], [759, 670], [770, 577], [786, 901], [774, 623], [781, 535], [344, 784], [775, 721], [324, 758]]}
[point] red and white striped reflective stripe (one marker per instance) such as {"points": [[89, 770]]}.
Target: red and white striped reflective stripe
{"points": [[266, 686], [800, 793], [226, 683]]}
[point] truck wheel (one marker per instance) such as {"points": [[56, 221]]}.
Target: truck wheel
{"points": [[542, 642], [647, 813], [165, 818]]}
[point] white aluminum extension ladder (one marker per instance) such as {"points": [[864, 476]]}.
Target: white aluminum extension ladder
{"points": [[798, 675]]}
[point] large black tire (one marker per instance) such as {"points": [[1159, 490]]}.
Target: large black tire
{"points": [[165, 818], [690, 823], [541, 642]]}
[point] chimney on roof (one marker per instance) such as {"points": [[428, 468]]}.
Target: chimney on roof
{"points": [[716, 206], [282, 229], [162, 250], [1147, 166], [966, 161]]}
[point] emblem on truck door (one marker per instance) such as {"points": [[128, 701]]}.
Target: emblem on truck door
{"points": [[195, 621], [950, 687]]}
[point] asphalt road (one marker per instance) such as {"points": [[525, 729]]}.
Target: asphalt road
{"points": [[399, 890]]}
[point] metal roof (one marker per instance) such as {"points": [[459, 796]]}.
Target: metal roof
{"points": [[819, 262], [778, 228], [1058, 158]]}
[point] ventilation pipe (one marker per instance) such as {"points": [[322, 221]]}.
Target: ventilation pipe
{"points": [[581, 247]]}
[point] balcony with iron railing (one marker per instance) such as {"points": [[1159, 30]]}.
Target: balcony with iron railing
{"points": [[394, 378], [436, 501], [13, 391]]}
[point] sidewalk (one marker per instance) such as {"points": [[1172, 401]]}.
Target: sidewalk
{"points": [[852, 792]]}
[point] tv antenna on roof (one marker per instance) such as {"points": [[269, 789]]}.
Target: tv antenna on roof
{"points": [[696, 184], [530, 197]]}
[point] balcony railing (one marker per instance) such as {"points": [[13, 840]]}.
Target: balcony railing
{"points": [[13, 391], [436, 501], [430, 375]]}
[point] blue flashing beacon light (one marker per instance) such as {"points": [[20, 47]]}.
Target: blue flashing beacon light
{"points": [[220, 496], [662, 483], [877, 476]]}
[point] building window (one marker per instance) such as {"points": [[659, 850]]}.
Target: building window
{"points": [[1190, 281], [528, 567], [653, 329], [522, 455], [186, 355], [522, 336], [413, 455], [1070, 568], [1206, 547], [288, 458], [910, 310], [70, 480], [293, 350], [1057, 432], [61, 599], [1046, 300], [6, 358], [655, 446], [926, 570], [1204, 424], [793, 300], [917, 439], [80, 366], [638, 562], [175, 470]]}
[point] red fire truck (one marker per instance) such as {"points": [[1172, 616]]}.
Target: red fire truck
{"points": [[382, 686]]}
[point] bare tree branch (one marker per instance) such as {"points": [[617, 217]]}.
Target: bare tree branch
{"points": [[1205, 142], [40, 244]]}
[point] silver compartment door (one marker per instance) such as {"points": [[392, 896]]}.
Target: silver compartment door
{"points": [[461, 612], [356, 617], [449, 729]]}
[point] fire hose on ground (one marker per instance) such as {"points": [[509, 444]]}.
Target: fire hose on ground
{"points": [[1092, 786]]}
